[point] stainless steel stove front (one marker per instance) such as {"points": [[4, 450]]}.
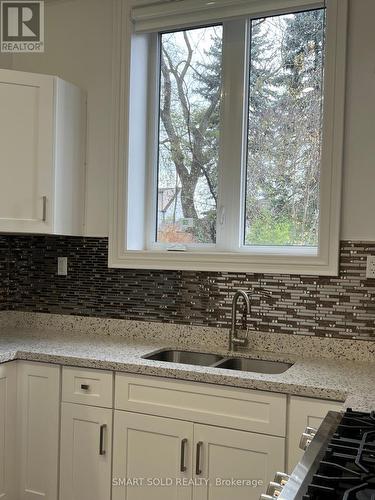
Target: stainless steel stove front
{"points": [[293, 487]]}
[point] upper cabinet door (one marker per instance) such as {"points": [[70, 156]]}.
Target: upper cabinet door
{"points": [[26, 151], [233, 464], [42, 154], [159, 450]]}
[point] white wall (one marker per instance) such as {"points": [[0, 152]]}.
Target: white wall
{"points": [[358, 216], [5, 61], [78, 48]]}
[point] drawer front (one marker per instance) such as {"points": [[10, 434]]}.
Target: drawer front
{"points": [[249, 410], [88, 387]]}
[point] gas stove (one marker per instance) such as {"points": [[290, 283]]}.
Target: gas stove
{"points": [[338, 464]]}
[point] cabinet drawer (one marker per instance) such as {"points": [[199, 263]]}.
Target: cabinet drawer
{"points": [[88, 387], [254, 411]]}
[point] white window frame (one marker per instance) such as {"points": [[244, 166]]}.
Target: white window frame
{"points": [[129, 246]]}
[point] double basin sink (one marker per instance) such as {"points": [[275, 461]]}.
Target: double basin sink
{"points": [[217, 361]]}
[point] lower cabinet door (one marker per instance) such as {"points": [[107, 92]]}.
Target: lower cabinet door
{"points": [[305, 412], [233, 464], [152, 458], [38, 418], [86, 451], [8, 402]]}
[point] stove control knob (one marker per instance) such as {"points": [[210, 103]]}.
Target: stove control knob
{"points": [[274, 489], [281, 478], [305, 441], [311, 430], [306, 437]]}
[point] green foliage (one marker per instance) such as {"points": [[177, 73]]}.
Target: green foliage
{"points": [[269, 231], [285, 128]]}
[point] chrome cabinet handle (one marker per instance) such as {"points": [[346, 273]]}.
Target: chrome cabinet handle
{"points": [[44, 212], [183, 467], [101, 439], [198, 470]]}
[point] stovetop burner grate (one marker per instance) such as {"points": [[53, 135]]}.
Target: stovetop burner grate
{"points": [[347, 471]]}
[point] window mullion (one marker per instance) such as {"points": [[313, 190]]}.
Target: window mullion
{"points": [[230, 175], [152, 142]]}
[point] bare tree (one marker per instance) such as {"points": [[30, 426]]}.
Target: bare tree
{"points": [[187, 127]]}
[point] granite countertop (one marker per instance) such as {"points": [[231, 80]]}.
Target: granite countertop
{"points": [[352, 382]]}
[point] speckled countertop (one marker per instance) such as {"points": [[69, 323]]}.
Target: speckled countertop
{"points": [[352, 382]]}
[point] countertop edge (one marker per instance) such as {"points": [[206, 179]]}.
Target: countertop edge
{"points": [[223, 378]]}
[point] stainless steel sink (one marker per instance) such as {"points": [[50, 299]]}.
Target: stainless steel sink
{"points": [[185, 357], [254, 365], [217, 361]]}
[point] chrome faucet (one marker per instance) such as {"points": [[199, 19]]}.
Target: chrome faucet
{"points": [[234, 340]]}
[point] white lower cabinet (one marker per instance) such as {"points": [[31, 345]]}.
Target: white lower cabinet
{"points": [[154, 457], [86, 452], [235, 464], [172, 440], [304, 412], [151, 449], [38, 423], [8, 402]]}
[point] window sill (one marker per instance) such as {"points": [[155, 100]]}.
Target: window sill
{"points": [[223, 261]]}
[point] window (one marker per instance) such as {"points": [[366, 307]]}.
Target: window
{"points": [[285, 129], [234, 138], [190, 68]]}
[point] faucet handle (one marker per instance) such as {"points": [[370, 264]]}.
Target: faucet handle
{"points": [[243, 342]]}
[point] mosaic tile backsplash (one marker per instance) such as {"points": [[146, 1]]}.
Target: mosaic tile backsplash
{"points": [[4, 273], [342, 306]]}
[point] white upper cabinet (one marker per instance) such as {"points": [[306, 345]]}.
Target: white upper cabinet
{"points": [[42, 154]]}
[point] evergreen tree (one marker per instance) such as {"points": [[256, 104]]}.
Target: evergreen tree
{"points": [[285, 147]]}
